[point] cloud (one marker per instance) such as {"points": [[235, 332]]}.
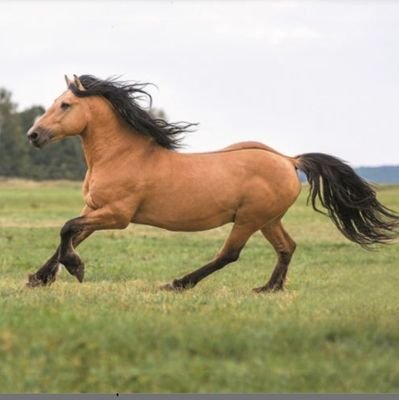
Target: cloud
{"points": [[299, 75], [271, 35]]}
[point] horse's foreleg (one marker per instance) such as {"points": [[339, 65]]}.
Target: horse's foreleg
{"points": [[47, 274], [103, 218], [284, 247], [229, 253]]}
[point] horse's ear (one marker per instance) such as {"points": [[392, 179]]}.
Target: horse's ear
{"points": [[67, 80], [78, 83]]}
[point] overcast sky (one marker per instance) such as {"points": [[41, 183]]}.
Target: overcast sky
{"points": [[300, 76]]}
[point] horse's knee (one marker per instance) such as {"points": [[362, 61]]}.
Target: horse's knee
{"points": [[70, 227]]}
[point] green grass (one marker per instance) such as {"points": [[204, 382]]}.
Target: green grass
{"points": [[334, 329]]}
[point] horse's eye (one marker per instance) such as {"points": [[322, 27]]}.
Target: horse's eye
{"points": [[65, 106]]}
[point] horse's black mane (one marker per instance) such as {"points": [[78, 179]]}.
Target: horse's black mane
{"points": [[123, 96]]}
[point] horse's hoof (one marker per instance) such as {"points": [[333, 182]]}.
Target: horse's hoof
{"points": [[259, 289], [267, 289], [169, 287], [80, 273], [34, 281], [175, 286]]}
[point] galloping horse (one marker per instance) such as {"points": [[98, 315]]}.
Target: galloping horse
{"points": [[135, 175]]}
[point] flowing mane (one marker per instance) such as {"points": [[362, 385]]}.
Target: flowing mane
{"points": [[124, 97]]}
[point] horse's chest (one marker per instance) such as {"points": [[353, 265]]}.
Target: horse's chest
{"points": [[90, 196], [89, 201]]}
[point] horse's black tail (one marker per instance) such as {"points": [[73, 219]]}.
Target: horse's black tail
{"points": [[349, 200]]}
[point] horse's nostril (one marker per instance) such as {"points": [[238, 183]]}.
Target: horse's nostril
{"points": [[33, 135]]}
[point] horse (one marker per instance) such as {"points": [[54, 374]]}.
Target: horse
{"points": [[136, 175]]}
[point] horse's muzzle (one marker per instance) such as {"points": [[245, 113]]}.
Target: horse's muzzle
{"points": [[38, 136]]}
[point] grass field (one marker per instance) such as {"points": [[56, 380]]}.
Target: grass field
{"points": [[334, 329]]}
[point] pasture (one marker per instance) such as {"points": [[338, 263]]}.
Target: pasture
{"points": [[334, 329]]}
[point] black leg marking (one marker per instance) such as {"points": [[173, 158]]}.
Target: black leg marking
{"points": [[47, 274], [67, 255], [190, 280], [229, 253]]}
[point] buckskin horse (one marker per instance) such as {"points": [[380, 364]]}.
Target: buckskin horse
{"points": [[135, 175]]}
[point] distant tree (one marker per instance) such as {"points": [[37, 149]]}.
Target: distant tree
{"points": [[28, 116], [14, 158]]}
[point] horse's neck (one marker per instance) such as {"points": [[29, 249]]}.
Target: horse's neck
{"points": [[104, 144]]}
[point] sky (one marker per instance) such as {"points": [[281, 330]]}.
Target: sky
{"points": [[300, 76]]}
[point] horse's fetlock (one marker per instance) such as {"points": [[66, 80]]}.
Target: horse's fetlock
{"points": [[70, 227], [70, 260]]}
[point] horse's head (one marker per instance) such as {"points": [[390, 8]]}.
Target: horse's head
{"points": [[68, 116]]}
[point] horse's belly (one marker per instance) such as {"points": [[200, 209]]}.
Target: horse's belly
{"points": [[184, 225], [187, 215]]}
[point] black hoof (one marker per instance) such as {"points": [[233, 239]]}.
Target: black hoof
{"points": [[75, 267], [34, 281], [175, 286], [168, 287], [80, 273], [44, 278], [268, 289], [77, 271]]}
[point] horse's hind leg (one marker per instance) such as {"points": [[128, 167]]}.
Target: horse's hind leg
{"points": [[284, 247], [229, 253]]}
